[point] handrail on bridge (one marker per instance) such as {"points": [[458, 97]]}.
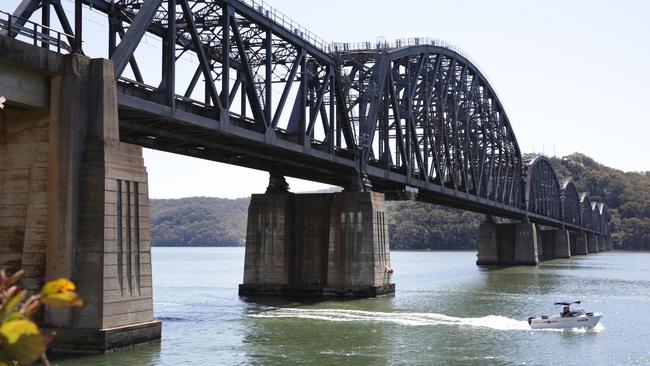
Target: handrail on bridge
{"points": [[10, 25], [287, 23], [405, 42]]}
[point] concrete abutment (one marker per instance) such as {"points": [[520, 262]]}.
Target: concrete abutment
{"points": [[76, 201]]}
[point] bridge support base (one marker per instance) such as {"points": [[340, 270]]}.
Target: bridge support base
{"points": [[488, 244], [526, 244], [507, 244], [592, 243], [553, 244], [580, 244], [602, 245], [562, 244], [317, 245], [610, 243], [79, 207]]}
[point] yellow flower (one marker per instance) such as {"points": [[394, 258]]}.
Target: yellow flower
{"points": [[60, 293], [13, 330]]}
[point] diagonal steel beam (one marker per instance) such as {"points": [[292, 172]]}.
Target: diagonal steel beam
{"points": [[134, 35], [200, 51]]}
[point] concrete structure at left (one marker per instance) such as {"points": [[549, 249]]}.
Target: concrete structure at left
{"points": [[73, 198]]}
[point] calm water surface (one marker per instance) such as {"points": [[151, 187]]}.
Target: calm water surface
{"points": [[446, 311]]}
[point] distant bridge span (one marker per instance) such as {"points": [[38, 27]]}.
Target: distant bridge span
{"points": [[237, 82]]}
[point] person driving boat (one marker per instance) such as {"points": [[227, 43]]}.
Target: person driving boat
{"points": [[565, 312]]}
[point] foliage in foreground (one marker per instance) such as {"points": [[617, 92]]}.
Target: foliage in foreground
{"points": [[21, 341]]}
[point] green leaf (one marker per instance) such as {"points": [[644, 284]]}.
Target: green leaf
{"points": [[22, 341], [14, 301]]}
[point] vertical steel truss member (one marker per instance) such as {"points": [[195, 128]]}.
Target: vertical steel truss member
{"points": [[420, 118], [543, 194]]}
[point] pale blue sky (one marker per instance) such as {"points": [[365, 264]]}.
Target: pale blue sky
{"points": [[572, 75]]}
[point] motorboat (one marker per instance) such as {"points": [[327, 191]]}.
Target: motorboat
{"points": [[568, 318]]}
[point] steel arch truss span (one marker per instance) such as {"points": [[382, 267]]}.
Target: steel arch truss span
{"points": [[543, 194], [571, 203], [586, 211], [234, 81], [429, 115], [600, 224]]}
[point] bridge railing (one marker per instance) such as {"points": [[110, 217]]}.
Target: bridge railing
{"points": [[405, 42], [287, 23], [21, 28]]}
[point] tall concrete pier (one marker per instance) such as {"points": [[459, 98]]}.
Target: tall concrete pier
{"points": [[507, 244], [523, 244], [73, 198], [317, 244]]}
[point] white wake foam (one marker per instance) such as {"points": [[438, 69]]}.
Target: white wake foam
{"points": [[410, 319]]}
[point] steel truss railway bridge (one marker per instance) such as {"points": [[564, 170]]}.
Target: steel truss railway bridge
{"points": [[236, 81]]}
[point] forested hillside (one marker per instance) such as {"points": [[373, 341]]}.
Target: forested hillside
{"points": [[199, 221], [626, 194], [202, 221]]}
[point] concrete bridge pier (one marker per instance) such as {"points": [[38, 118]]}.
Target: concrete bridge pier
{"points": [[610, 243], [562, 241], [507, 244], [580, 244], [317, 245], [602, 244], [592, 243], [553, 243], [74, 199]]}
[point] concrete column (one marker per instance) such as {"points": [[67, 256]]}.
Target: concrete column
{"points": [[526, 244], [592, 243], [562, 245], [602, 246], [359, 256], [546, 243], [572, 242], [541, 248], [317, 244], [267, 258], [487, 244], [581, 244], [610, 243]]}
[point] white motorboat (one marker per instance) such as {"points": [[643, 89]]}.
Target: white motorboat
{"points": [[576, 318]]}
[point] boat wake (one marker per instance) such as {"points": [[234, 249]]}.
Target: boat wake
{"points": [[409, 319]]}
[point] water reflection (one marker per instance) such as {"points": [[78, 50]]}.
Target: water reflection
{"points": [[147, 355]]}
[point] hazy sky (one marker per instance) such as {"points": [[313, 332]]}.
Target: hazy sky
{"points": [[572, 75]]}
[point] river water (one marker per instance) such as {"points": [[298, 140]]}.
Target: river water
{"points": [[446, 311]]}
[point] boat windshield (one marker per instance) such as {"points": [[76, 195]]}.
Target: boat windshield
{"points": [[578, 312]]}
